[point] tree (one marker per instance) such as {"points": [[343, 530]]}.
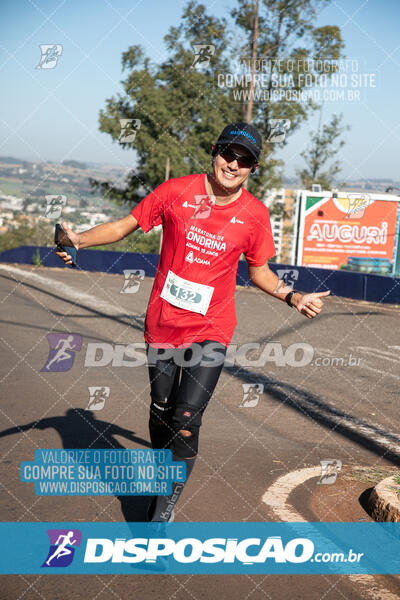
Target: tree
{"points": [[180, 110], [291, 56], [324, 147]]}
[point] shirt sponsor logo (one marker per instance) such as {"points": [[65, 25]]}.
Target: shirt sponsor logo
{"points": [[201, 261], [189, 257], [236, 220]]}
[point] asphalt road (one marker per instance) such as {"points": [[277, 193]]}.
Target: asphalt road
{"points": [[334, 397]]}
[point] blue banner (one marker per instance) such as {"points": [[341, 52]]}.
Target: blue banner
{"points": [[200, 548]]}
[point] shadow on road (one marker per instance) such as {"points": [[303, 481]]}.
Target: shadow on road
{"points": [[79, 429], [311, 406], [135, 321]]}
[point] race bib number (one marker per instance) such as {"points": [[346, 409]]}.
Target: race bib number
{"points": [[187, 294]]}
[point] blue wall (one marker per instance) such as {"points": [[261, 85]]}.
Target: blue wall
{"points": [[360, 286]]}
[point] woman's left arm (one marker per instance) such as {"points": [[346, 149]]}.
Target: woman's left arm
{"points": [[309, 305]]}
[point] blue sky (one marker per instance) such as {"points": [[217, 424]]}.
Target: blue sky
{"points": [[53, 114]]}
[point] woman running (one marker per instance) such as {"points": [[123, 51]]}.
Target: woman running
{"points": [[208, 222]]}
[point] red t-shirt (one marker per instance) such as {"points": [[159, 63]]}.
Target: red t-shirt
{"points": [[201, 243]]}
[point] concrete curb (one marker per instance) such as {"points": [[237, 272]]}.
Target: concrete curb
{"points": [[384, 501]]}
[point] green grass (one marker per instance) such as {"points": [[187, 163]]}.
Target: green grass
{"points": [[36, 260], [371, 475], [11, 187]]}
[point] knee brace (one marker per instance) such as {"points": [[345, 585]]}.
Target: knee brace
{"points": [[185, 446], [188, 418]]}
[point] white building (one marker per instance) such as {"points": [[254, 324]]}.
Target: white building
{"points": [[279, 197]]}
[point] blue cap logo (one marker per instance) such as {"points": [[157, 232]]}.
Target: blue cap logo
{"points": [[240, 132]]}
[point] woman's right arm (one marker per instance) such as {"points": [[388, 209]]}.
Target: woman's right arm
{"points": [[107, 233]]}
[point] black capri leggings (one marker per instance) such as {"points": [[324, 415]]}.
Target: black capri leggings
{"points": [[182, 383]]}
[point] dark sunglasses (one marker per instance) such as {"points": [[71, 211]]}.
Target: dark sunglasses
{"points": [[244, 160]]}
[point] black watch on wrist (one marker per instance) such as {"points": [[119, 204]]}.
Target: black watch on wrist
{"points": [[288, 298]]}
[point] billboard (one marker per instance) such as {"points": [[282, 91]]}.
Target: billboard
{"points": [[357, 232]]}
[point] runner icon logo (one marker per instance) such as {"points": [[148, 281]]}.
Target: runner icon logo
{"points": [[251, 394], [357, 205], [129, 129], [330, 469], [203, 206], [133, 279], [277, 129], [62, 547], [62, 351], [54, 205], [287, 277], [97, 397], [202, 55], [50, 55]]}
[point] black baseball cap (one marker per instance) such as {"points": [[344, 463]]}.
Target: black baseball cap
{"points": [[243, 134]]}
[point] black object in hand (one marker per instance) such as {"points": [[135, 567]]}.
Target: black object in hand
{"points": [[64, 244]]}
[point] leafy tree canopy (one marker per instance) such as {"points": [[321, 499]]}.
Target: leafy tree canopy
{"points": [[182, 109]]}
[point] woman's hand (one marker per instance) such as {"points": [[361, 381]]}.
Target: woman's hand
{"points": [[309, 305], [74, 237]]}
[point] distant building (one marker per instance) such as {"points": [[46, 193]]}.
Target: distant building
{"points": [[93, 220], [11, 202]]}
